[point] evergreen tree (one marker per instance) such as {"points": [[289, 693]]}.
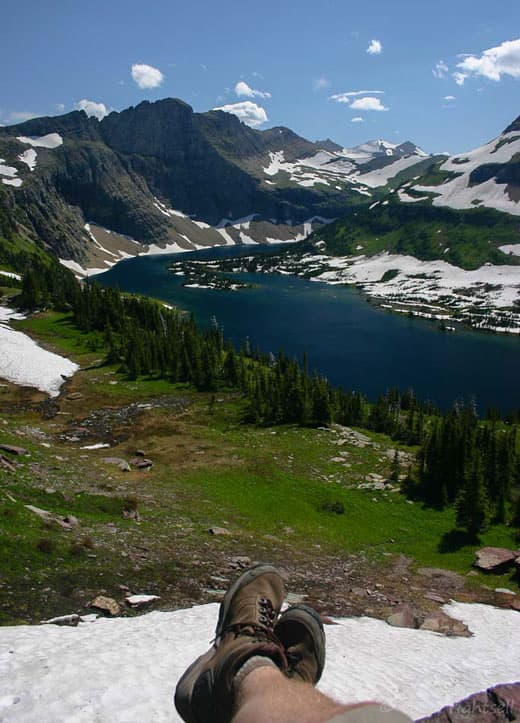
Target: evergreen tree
{"points": [[472, 507]]}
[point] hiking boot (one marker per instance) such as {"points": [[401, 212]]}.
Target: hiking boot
{"points": [[300, 631], [244, 630]]}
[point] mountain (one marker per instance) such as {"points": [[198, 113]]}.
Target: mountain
{"points": [[488, 176], [160, 177]]}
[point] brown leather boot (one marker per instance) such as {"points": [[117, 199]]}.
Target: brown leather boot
{"points": [[244, 629], [300, 631]]}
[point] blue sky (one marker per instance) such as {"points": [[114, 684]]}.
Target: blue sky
{"points": [[284, 60]]}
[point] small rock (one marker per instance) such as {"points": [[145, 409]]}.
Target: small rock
{"points": [[71, 521], [404, 616], [505, 591], [141, 463], [141, 601], [218, 531], [74, 395], [240, 561], [436, 598], [71, 620], [106, 605], [495, 559], [140, 453], [11, 449]]}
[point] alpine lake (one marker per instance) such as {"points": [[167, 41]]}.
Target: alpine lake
{"points": [[353, 343]]}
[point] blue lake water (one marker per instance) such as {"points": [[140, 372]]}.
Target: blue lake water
{"points": [[354, 344]]}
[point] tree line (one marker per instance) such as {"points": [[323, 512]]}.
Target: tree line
{"points": [[463, 461]]}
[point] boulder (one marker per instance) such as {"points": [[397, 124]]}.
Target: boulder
{"points": [[12, 449], [218, 531], [495, 559], [439, 622], [404, 616], [119, 461], [495, 705], [106, 604]]}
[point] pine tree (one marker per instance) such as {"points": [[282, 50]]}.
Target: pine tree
{"points": [[472, 507]]}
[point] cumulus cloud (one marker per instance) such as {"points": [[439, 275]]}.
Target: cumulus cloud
{"points": [[357, 119], [320, 83], [368, 104], [346, 97], [91, 108], [440, 70], [146, 76], [249, 113], [449, 97], [374, 48], [244, 90], [495, 62]]}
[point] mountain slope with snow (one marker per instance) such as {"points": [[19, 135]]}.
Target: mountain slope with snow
{"points": [[488, 176]]}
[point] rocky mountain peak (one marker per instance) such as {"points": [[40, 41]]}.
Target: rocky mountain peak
{"points": [[515, 126]]}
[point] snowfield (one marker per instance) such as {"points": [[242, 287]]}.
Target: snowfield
{"points": [[459, 194], [50, 141], [25, 363], [125, 669]]}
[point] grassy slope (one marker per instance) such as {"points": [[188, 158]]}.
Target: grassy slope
{"points": [[265, 485], [467, 239]]}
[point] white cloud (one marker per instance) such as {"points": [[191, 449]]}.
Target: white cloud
{"points": [[60, 107], [91, 108], [459, 78], [368, 104], [243, 89], [146, 76], [449, 97], [492, 64], [249, 113], [357, 119], [345, 97], [440, 70], [320, 83], [374, 48]]}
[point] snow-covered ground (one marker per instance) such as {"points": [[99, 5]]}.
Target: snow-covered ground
{"points": [[460, 193], [50, 141], [472, 296], [11, 275], [125, 669], [25, 363]]}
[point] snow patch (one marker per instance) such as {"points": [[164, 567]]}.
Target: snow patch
{"points": [[11, 275], [88, 673], [51, 140], [29, 158], [374, 179], [513, 249], [25, 363], [16, 182]]}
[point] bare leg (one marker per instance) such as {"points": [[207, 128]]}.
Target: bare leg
{"points": [[267, 696]]}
